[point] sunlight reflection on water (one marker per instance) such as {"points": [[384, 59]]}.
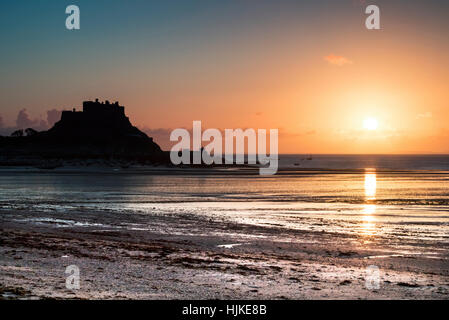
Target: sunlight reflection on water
{"points": [[368, 227], [370, 184]]}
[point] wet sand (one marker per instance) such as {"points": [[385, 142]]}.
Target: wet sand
{"points": [[226, 260]]}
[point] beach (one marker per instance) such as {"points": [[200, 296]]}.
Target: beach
{"points": [[153, 235]]}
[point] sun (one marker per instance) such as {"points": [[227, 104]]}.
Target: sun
{"points": [[370, 124]]}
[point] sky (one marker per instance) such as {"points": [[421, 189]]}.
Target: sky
{"points": [[308, 68]]}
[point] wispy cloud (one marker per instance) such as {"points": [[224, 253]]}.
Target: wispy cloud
{"points": [[424, 115], [337, 60]]}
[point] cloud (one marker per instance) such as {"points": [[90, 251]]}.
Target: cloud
{"points": [[424, 115], [24, 121], [53, 116], [337, 60]]}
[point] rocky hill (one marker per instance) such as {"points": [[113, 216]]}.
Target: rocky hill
{"points": [[100, 131]]}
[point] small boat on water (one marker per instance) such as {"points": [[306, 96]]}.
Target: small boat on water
{"points": [[308, 157]]}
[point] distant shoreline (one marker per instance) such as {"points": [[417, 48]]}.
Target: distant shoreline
{"points": [[232, 171]]}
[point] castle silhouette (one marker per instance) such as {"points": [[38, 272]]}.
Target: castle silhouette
{"points": [[96, 110], [97, 121]]}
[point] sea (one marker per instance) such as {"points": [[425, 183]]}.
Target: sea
{"points": [[402, 200]]}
